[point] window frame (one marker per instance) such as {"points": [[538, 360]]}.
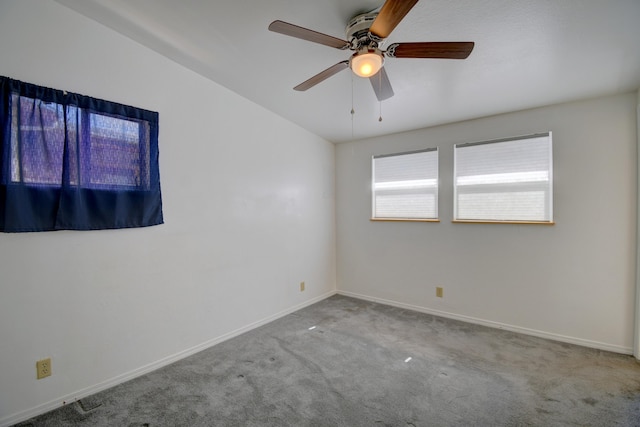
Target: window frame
{"points": [[436, 187], [535, 183], [84, 137]]}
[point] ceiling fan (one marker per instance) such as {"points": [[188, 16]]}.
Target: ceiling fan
{"points": [[366, 34]]}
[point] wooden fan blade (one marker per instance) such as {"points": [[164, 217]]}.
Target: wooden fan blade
{"points": [[307, 34], [334, 69], [389, 17], [381, 85], [444, 50]]}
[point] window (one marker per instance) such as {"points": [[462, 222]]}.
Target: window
{"points": [[75, 162], [508, 180], [405, 185]]}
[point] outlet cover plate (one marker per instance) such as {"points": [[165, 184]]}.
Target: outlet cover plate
{"points": [[43, 368]]}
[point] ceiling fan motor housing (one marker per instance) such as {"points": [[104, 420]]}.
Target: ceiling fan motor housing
{"points": [[358, 30]]}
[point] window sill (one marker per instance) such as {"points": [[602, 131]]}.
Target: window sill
{"points": [[405, 219], [478, 221]]}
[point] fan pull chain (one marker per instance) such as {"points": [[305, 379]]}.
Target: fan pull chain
{"points": [[353, 112], [380, 89]]}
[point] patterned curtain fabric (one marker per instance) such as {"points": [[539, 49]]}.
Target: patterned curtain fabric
{"points": [[72, 162]]}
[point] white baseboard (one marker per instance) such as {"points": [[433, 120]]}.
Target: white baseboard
{"points": [[88, 391], [541, 334]]}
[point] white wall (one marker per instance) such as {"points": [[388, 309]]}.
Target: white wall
{"points": [[573, 281], [249, 213]]}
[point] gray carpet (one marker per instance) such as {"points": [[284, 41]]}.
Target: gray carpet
{"points": [[353, 369]]}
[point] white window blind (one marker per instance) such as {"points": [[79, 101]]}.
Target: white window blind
{"points": [[504, 180], [405, 185]]}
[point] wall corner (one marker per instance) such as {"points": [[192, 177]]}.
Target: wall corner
{"points": [[636, 333]]}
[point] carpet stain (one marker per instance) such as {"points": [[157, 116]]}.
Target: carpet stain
{"points": [[590, 401]]}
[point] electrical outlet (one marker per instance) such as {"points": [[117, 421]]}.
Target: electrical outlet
{"points": [[301, 286], [439, 292], [43, 368]]}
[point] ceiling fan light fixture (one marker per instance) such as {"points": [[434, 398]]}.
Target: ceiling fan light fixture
{"points": [[367, 62]]}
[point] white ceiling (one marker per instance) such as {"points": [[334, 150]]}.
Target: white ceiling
{"points": [[528, 53]]}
